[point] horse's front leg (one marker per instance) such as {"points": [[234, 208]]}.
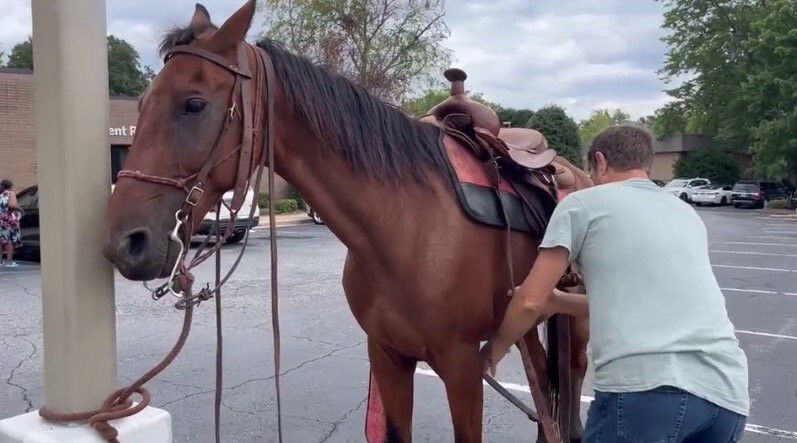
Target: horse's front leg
{"points": [[394, 375], [579, 336], [459, 368]]}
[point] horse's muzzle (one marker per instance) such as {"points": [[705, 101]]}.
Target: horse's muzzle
{"points": [[137, 255]]}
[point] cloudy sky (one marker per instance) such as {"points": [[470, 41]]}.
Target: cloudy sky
{"points": [[580, 54]]}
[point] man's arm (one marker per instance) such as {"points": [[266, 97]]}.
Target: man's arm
{"points": [[532, 300]]}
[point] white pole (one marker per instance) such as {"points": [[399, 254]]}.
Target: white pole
{"points": [[70, 81], [71, 100]]}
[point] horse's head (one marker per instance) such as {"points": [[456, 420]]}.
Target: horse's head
{"points": [[190, 116]]}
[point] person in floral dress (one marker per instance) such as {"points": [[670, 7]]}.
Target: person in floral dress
{"points": [[9, 224]]}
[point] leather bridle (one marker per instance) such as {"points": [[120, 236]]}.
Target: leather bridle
{"points": [[253, 89]]}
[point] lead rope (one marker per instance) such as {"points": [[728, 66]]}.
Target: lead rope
{"points": [[273, 239], [219, 353]]}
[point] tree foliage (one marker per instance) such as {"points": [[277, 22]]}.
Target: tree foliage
{"points": [[770, 90], [390, 47], [418, 106], [516, 118], [718, 166], [21, 55], [560, 130], [739, 58], [125, 74], [599, 120]]}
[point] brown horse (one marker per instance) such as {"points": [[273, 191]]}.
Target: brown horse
{"points": [[423, 281]]}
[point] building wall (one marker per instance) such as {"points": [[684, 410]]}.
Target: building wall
{"points": [[663, 163], [17, 142], [18, 131]]}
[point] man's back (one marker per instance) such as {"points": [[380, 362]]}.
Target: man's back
{"points": [[658, 316]]}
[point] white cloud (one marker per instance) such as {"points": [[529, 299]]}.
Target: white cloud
{"points": [[581, 54]]}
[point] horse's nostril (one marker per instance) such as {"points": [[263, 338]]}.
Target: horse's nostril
{"points": [[137, 243]]}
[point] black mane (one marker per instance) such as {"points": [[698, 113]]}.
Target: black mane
{"points": [[376, 138]]}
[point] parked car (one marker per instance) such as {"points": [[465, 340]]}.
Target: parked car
{"points": [[683, 188], [242, 223], [792, 202], [314, 215], [713, 195], [755, 193], [28, 200]]}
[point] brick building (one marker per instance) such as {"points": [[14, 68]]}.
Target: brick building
{"points": [[18, 132], [669, 150]]}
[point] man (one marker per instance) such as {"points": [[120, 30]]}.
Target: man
{"points": [[668, 366]]}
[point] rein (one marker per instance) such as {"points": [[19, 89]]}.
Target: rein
{"points": [[180, 282]]}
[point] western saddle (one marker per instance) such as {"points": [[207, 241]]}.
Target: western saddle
{"points": [[522, 147]]}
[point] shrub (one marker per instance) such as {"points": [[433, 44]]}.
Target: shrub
{"points": [[287, 205], [262, 200], [778, 204], [294, 195], [718, 166]]}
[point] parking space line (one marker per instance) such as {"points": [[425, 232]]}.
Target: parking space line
{"points": [[772, 237], [788, 245], [766, 334], [753, 291], [758, 429], [754, 268], [769, 231], [752, 253]]}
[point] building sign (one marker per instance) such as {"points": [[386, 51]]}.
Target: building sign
{"points": [[124, 131]]}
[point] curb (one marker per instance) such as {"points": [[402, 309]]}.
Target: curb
{"points": [[284, 224]]}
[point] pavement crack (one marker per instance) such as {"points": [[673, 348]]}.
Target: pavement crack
{"points": [[26, 290], [343, 418], [180, 384], [9, 381], [270, 377]]}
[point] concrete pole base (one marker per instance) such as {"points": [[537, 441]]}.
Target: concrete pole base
{"points": [[151, 425]]}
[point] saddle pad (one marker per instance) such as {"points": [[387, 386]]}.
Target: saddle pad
{"points": [[477, 196]]}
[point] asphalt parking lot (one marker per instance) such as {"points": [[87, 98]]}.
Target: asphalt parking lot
{"points": [[325, 367]]}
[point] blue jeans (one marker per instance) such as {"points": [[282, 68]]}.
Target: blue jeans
{"points": [[665, 414]]}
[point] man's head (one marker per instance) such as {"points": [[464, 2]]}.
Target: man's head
{"points": [[619, 153], [5, 185]]}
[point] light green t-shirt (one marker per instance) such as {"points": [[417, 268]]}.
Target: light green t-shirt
{"points": [[657, 315]]}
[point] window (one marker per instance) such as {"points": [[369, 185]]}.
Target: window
{"points": [[118, 156]]}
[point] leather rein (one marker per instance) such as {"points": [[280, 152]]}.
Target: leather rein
{"points": [[257, 84]]}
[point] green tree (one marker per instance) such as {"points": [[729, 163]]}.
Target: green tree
{"points": [[669, 120], [599, 120], [516, 118], [21, 55], [716, 165], [770, 90], [390, 47], [707, 44], [125, 76], [560, 130], [418, 106]]}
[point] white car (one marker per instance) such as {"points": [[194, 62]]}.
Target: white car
{"points": [[683, 188], [712, 195], [242, 223]]}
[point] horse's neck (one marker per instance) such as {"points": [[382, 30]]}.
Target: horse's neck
{"points": [[356, 208]]}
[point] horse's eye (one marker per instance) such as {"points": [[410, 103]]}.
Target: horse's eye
{"points": [[194, 106]]}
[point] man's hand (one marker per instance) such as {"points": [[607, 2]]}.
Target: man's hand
{"points": [[490, 355]]}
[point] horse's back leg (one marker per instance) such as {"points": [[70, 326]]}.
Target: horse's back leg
{"points": [[458, 367], [394, 375], [579, 336]]}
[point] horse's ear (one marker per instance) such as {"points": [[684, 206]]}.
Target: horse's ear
{"points": [[200, 22], [234, 30]]}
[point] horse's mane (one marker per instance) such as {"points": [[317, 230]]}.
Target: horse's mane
{"points": [[376, 138]]}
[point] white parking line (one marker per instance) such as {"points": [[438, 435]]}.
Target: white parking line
{"points": [[754, 268], [771, 237], [771, 231], [766, 334], [758, 429], [752, 291], [717, 251], [788, 245]]}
